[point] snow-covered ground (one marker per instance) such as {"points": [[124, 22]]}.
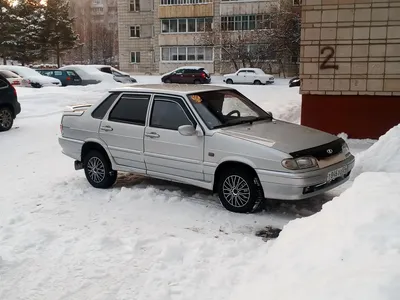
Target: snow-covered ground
{"points": [[148, 239]]}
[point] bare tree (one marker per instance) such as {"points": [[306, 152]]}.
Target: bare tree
{"points": [[103, 44]]}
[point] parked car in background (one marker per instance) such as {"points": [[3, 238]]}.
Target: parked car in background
{"points": [[249, 76], [208, 136], [194, 75], [89, 74], [67, 77], [12, 78], [295, 81], [9, 105], [119, 76], [31, 77]]}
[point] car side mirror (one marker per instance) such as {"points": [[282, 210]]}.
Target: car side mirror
{"points": [[187, 130], [270, 113]]}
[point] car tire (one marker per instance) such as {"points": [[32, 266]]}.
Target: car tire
{"points": [[98, 170], [229, 81], [36, 85], [6, 119], [257, 82], [197, 81], [234, 181], [167, 81]]}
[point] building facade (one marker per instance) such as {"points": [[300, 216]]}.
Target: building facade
{"points": [[157, 36], [350, 66]]}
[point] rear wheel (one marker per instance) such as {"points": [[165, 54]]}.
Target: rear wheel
{"points": [[239, 190], [6, 119], [229, 81], [98, 170]]}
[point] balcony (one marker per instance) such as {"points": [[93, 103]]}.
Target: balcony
{"points": [[185, 8]]}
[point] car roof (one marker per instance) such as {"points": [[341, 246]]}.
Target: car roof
{"points": [[250, 69], [181, 89]]}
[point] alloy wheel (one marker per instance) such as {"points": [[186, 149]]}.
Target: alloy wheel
{"points": [[6, 118], [96, 169], [236, 191]]}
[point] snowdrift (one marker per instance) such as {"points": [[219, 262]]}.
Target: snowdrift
{"points": [[350, 250], [383, 156]]}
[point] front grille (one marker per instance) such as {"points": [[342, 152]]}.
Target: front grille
{"points": [[321, 152]]}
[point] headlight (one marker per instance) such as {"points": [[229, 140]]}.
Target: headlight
{"points": [[300, 163], [345, 148]]}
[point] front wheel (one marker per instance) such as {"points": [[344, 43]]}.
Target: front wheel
{"points": [[257, 82], [36, 85], [6, 119], [229, 81], [98, 170], [240, 191]]}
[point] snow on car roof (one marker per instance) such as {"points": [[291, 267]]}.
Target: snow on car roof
{"points": [[175, 88]]}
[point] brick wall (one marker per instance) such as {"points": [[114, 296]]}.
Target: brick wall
{"points": [[350, 47]]}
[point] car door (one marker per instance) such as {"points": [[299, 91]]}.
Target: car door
{"points": [[168, 153], [177, 76], [123, 128], [241, 77], [250, 76]]}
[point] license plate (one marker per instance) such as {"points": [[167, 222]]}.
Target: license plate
{"points": [[337, 173]]}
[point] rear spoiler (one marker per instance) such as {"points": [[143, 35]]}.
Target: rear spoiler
{"points": [[76, 110]]}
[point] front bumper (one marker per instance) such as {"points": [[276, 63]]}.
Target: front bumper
{"points": [[297, 186]]}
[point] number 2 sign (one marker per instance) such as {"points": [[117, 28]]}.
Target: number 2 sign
{"points": [[330, 53]]}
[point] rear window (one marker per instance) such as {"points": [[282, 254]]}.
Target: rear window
{"points": [[131, 109], [103, 108], [8, 74]]}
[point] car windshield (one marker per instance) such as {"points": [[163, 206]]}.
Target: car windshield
{"points": [[8, 74], [225, 108]]}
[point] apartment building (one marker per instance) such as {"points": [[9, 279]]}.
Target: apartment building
{"points": [[350, 66], [157, 36]]}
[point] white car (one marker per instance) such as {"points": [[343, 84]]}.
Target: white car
{"points": [[119, 76], [31, 77], [12, 78], [249, 76], [89, 74]]}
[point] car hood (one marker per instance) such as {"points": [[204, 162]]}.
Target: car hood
{"points": [[282, 136]]}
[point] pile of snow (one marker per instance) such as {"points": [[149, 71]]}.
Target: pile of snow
{"points": [[90, 73], [350, 250], [383, 156]]}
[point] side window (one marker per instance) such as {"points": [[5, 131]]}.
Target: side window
{"points": [[3, 84], [102, 109], [58, 73], [130, 109], [251, 72], [242, 73], [169, 114]]}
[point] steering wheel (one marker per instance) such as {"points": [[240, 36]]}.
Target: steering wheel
{"points": [[233, 112]]}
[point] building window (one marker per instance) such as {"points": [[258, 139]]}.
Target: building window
{"points": [[135, 31], [245, 22], [134, 5], [135, 57], [186, 25], [296, 2], [178, 2], [184, 53]]}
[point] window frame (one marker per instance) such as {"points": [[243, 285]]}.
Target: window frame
{"points": [[135, 4], [137, 29], [130, 57], [7, 84], [108, 110], [184, 106], [107, 116]]}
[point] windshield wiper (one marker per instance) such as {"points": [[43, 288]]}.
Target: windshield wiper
{"points": [[242, 121]]}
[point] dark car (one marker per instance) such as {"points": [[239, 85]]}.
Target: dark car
{"points": [[9, 105], [196, 75], [67, 77], [295, 81]]}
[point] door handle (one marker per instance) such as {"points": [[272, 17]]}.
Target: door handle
{"points": [[152, 135], [106, 128]]}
